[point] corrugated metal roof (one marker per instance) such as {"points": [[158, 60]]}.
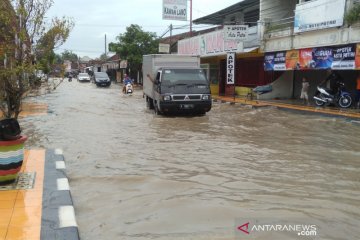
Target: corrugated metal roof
{"points": [[249, 7]]}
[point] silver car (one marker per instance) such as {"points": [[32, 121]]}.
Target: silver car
{"points": [[83, 77]]}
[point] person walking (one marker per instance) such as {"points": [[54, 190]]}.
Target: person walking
{"points": [[305, 91]]}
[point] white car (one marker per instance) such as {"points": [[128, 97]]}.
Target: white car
{"points": [[83, 77]]}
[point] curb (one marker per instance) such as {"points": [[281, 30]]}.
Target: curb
{"points": [[58, 214]]}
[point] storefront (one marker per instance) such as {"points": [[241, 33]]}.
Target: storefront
{"points": [[314, 63], [212, 48]]}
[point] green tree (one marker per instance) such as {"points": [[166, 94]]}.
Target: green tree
{"points": [[69, 55], [23, 36], [50, 40], [133, 44]]}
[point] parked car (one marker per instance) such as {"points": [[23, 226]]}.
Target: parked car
{"points": [[101, 79], [83, 77]]}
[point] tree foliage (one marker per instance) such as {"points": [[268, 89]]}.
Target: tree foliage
{"points": [[353, 15], [69, 55], [133, 44], [24, 39], [51, 39]]}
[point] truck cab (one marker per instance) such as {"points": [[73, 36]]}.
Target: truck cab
{"points": [[180, 90], [175, 84]]}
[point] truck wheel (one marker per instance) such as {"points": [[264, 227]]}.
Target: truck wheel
{"points": [[149, 103], [156, 108]]}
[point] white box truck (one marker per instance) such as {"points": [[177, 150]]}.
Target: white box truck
{"points": [[175, 84]]}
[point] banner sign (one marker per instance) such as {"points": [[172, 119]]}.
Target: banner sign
{"points": [[305, 58], [209, 44], [230, 65], [357, 56], [292, 59], [322, 57], [269, 62], [344, 57], [308, 17], [275, 61], [175, 10], [338, 58], [235, 32]]}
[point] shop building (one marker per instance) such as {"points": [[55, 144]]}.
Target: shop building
{"points": [[213, 48], [306, 38]]}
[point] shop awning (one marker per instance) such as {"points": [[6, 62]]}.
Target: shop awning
{"points": [[251, 50]]}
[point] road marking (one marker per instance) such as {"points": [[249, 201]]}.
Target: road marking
{"points": [[67, 217], [58, 151], [62, 184], [60, 165]]}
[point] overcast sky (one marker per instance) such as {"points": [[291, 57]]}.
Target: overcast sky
{"points": [[95, 18]]}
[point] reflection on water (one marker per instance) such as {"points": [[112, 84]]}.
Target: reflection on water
{"points": [[135, 175]]}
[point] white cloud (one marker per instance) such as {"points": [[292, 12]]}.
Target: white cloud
{"points": [[94, 18]]}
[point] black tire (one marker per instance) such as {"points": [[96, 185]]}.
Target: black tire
{"points": [[149, 103], [156, 108], [345, 101], [317, 102]]}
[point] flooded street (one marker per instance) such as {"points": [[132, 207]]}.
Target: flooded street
{"points": [[135, 175]]}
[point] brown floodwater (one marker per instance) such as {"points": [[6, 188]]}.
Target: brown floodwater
{"points": [[135, 175]]}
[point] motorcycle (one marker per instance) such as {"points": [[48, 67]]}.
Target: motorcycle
{"points": [[129, 89], [70, 78], [328, 96]]}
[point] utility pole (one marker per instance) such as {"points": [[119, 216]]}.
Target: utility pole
{"points": [[190, 18], [105, 47], [171, 28]]}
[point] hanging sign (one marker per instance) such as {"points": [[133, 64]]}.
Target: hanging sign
{"points": [[164, 48], [230, 65], [175, 10], [235, 32]]}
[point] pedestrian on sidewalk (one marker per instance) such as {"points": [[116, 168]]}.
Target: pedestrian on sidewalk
{"points": [[357, 96], [304, 91]]}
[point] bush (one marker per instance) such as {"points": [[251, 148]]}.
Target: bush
{"points": [[353, 15]]}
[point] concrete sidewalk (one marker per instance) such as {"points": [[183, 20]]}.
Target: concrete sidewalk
{"points": [[292, 105], [38, 205]]}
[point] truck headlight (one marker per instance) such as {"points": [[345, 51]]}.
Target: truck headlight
{"points": [[167, 98], [206, 97]]}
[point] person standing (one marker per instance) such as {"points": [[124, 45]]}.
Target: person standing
{"points": [[305, 91]]}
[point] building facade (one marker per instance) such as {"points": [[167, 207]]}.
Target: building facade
{"points": [[287, 40], [305, 39]]}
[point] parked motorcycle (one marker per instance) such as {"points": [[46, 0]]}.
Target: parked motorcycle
{"points": [[328, 96], [70, 79], [129, 89]]}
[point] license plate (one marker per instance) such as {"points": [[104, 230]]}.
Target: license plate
{"points": [[187, 106]]}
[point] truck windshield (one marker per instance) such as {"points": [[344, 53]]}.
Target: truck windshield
{"points": [[184, 76]]}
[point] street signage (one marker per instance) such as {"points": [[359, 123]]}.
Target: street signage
{"points": [[230, 65], [175, 10], [235, 32], [164, 48]]}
